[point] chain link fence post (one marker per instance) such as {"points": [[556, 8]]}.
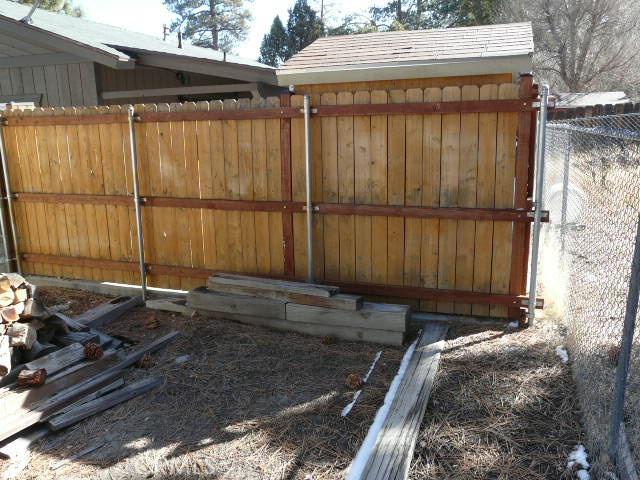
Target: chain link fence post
{"points": [[565, 195]]}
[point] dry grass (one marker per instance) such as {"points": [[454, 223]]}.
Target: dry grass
{"points": [[503, 407], [257, 404], [250, 403]]}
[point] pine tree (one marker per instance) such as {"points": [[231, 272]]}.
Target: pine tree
{"points": [[273, 50], [217, 24], [303, 27], [58, 6], [462, 13]]}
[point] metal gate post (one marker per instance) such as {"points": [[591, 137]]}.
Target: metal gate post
{"points": [[309, 188], [565, 195], [537, 222], [626, 344], [12, 221], [137, 202]]}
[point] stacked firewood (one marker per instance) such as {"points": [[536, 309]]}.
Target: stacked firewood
{"points": [[25, 324]]}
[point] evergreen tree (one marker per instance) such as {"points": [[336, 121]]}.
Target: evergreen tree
{"points": [[217, 24], [303, 27], [64, 6], [273, 50], [462, 13]]}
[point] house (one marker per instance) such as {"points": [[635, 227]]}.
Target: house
{"points": [[412, 59], [573, 100], [59, 60]]}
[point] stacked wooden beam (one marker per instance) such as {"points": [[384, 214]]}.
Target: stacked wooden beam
{"points": [[300, 307], [80, 376]]}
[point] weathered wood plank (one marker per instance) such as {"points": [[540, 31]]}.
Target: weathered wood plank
{"points": [[391, 455], [384, 337], [108, 312], [103, 403], [268, 284], [377, 316], [203, 299]]}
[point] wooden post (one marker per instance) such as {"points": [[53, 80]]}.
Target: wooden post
{"points": [[521, 193], [287, 217]]}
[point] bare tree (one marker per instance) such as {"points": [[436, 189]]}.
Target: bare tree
{"points": [[583, 45]]}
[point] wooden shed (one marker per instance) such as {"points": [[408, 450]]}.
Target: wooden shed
{"points": [[59, 60], [453, 152]]}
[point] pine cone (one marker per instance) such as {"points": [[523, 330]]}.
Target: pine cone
{"points": [[93, 351], [327, 340], [146, 362], [614, 354], [32, 378], [354, 381], [152, 322]]}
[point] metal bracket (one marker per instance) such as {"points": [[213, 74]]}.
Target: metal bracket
{"points": [[524, 302], [314, 208]]}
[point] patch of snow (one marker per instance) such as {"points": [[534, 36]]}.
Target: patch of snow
{"points": [[347, 409], [364, 453], [578, 457], [182, 359], [562, 353], [583, 475]]}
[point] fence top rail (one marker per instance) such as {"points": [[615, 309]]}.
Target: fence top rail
{"points": [[623, 126], [250, 110]]}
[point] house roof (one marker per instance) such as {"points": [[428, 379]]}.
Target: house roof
{"points": [[394, 54], [571, 100], [110, 45]]}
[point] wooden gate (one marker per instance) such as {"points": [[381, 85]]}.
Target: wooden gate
{"points": [[419, 194]]}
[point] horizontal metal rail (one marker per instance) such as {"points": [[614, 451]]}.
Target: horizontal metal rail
{"points": [[459, 213], [347, 287]]}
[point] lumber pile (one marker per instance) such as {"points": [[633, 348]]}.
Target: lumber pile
{"points": [[300, 307], [75, 372]]}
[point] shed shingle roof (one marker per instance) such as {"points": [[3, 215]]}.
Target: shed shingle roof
{"points": [[413, 47]]}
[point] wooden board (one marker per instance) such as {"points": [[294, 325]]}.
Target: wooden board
{"points": [[203, 299], [270, 284], [393, 450], [384, 337], [372, 315]]}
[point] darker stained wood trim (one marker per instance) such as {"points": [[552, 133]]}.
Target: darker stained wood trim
{"points": [[346, 287], [287, 217], [284, 112], [289, 207]]}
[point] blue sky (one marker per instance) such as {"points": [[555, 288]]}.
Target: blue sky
{"points": [[148, 16]]}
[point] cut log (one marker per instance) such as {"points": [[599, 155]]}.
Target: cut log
{"points": [[21, 295], [6, 298], [21, 409], [21, 335], [76, 337], [32, 378], [5, 283], [384, 337], [10, 314], [377, 316], [108, 312], [103, 403], [16, 280], [34, 309], [5, 356], [339, 300], [269, 284], [206, 300]]}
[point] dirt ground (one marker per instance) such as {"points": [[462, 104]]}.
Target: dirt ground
{"points": [[503, 407], [256, 404]]}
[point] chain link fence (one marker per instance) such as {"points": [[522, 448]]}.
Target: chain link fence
{"points": [[592, 190]]}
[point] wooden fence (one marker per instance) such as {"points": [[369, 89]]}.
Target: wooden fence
{"points": [[418, 194]]}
